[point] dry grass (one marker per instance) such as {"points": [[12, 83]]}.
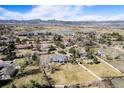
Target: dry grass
{"points": [[24, 51], [30, 73], [71, 74], [25, 81], [103, 70]]}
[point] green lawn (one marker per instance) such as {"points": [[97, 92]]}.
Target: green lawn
{"points": [[24, 51], [20, 61]]}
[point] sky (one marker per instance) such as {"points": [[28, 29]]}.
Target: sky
{"points": [[62, 12]]}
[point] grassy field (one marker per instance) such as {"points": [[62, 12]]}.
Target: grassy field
{"points": [[23, 52], [30, 73], [71, 74], [26, 80], [118, 64], [103, 70], [20, 61]]}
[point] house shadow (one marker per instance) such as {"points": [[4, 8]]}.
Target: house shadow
{"points": [[4, 82]]}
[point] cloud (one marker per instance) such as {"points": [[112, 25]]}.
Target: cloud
{"points": [[10, 15], [117, 17], [59, 12], [54, 12], [2, 18]]}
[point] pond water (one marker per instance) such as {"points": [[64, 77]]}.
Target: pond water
{"points": [[67, 32]]}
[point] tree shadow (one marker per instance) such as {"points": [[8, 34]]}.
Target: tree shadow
{"points": [[29, 72]]}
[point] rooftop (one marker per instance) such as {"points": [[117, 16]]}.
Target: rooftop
{"points": [[59, 58]]}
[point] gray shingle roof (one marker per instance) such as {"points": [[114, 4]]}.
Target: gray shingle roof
{"points": [[59, 58]]}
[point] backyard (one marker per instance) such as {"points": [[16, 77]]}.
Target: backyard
{"points": [[30, 74], [103, 70], [71, 74]]}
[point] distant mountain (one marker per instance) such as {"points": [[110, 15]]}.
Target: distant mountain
{"points": [[59, 22]]}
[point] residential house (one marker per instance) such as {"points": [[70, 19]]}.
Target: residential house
{"points": [[101, 53], [59, 58], [83, 55], [7, 70]]}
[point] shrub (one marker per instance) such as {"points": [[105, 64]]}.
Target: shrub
{"points": [[62, 52], [72, 50], [52, 48], [59, 44]]}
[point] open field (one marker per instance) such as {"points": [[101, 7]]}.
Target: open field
{"points": [[116, 62], [71, 74], [103, 70], [84, 28]]}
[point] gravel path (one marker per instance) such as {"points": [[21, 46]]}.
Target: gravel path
{"points": [[99, 78]]}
